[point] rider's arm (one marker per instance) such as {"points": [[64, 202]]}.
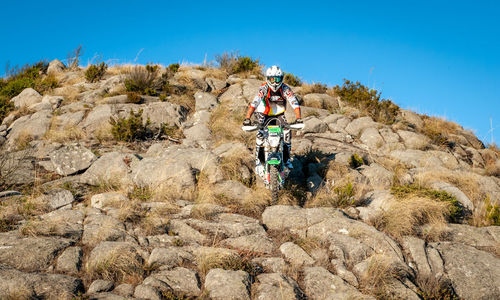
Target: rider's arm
{"points": [[294, 103], [255, 102]]}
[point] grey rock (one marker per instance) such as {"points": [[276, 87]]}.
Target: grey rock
{"points": [[98, 116], [255, 243], [109, 199], [356, 126], [418, 255], [71, 159], [314, 125], [15, 284], [344, 273], [215, 84], [58, 198], [372, 138], [6, 194], [321, 284], [181, 280], [232, 189], [55, 66], [143, 291], [293, 218], [186, 232], [100, 285], [271, 264], [205, 101], [70, 119], [120, 99], [228, 225], [223, 284], [320, 101], [412, 118], [52, 101], [124, 289], [413, 140], [169, 256], [70, 260], [379, 177], [110, 168], [348, 249], [164, 113], [29, 127], [454, 191], [63, 223], [99, 228], [277, 286], [474, 274], [18, 253], [296, 255], [26, 98], [477, 237]]}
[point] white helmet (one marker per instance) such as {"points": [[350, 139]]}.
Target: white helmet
{"points": [[274, 78]]}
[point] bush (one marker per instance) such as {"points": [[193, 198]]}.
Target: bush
{"points": [[94, 73], [244, 64], [173, 68], [227, 60], [5, 107], [144, 80], [292, 80], [131, 128], [367, 100], [356, 161]]}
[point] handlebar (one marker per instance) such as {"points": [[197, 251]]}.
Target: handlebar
{"points": [[254, 127]]}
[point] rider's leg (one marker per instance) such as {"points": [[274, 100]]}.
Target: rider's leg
{"points": [[258, 139], [287, 139]]}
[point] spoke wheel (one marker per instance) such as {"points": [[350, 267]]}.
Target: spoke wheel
{"points": [[274, 183]]}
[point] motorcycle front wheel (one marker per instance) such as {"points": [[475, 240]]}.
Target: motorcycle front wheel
{"points": [[274, 184]]}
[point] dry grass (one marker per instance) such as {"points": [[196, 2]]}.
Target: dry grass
{"points": [[216, 73], [63, 134], [486, 213], [104, 133], [22, 111], [118, 266], [15, 209], [307, 88], [23, 140], [491, 158], [70, 93], [407, 216], [439, 129], [186, 100], [432, 287], [225, 126], [381, 272], [232, 165], [120, 69], [225, 261]]}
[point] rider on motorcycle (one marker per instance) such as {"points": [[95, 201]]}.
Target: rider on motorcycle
{"points": [[270, 101]]}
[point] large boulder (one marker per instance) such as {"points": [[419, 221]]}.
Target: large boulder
{"points": [[372, 138], [57, 199], [115, 257], [71, 159], [99, 228], [55, 66], [63, 223], [29, 127], [314, 125], [413, 140], [30, 253], [205, 101], [224, 284], [277, 286], [379, 177], [15, 284], [474, 274], [296, 255], [183, 281], [111, 168], [321, 284], [454, 191], [26, 98], [256, 243], [356, 126]]}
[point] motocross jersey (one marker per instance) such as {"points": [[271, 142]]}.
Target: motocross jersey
{"points": [[273, 103]]}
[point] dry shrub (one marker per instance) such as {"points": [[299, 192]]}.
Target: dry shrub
{"points": [[491, 158], [431, 287], [232, 165], [23, 140], [307, 88], [379, 277], [185, 100], [407, 216], [120, 69], [225, 126], [119, 266], [439, 129], [486, 213], [216, 73], [104, 132]]}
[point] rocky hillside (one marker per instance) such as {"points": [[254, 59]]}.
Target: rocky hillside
{"points": [[137, 182]]}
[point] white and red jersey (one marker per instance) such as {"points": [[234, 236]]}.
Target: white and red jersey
{"points": [[273, 103]]}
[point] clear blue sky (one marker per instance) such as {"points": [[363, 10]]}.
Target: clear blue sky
{"points": [[435, 57]]}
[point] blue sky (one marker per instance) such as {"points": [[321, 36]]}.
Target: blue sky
{"points": [[435, 57]]}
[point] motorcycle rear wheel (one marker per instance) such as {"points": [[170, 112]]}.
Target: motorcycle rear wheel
{"points": [[274, 184]]}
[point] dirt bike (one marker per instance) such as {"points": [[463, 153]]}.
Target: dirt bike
{"points": [[270, 166]]}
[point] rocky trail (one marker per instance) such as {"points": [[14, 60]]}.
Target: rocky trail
{"points": [[396, 210]]}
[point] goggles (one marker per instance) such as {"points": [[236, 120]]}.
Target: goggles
{"points": [[274, 79]]}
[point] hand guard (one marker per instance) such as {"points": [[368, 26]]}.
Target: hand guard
{"points": [[298, 121], [246, 122]]}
